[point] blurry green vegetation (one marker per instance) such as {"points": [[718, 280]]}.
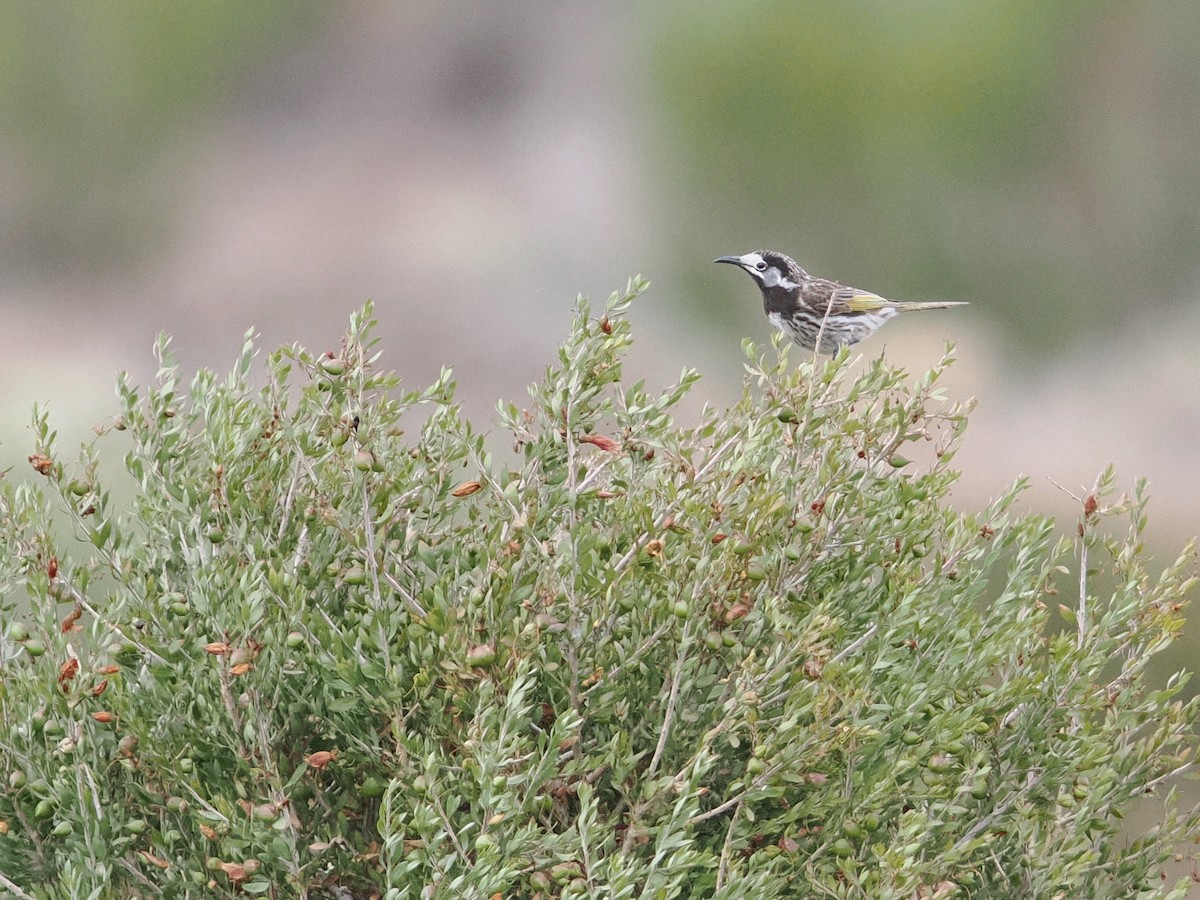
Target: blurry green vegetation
{"points": [[315, 655], [1030, 157], [90, 93]]}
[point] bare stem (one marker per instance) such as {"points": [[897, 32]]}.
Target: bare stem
{"points": [[723, 865], [16, 891], [669, 715], [852, 648]]}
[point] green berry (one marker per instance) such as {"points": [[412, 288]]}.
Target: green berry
{"points": [[842, 847], [481, 656]]}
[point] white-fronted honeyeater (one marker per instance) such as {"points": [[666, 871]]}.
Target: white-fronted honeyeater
{"points": [[805, 307]]}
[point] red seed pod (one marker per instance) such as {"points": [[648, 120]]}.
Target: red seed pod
{"points": [[737, 611], [71, 618], [241, 655], [67, 672], [466, 489], [599, 440], [153, 860], [41, 463], [321, 758]]}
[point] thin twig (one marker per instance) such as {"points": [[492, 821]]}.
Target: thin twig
{"points": [[821, 331], [1081, 616], [669, 714], [660, 747], [723, 865], [593, 472], [369, 539], [847, 651], [231, 707], [4, 882], [637, 545], [373, 567], [133, 870], [633, 657], [717, 810], [83, 772], [453, 835], [1064, 490], [1032, 781], [34, 836], [1178, 770], [816, 357], [289, 499], [301, 548], [404, 594]]}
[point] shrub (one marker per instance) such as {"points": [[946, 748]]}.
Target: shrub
{"points": [[317, 655]]}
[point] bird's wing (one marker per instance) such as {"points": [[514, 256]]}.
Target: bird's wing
{"points": [[850, 301], [840, 299], [860, 301]]}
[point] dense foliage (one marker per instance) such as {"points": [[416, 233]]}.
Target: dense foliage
{"points": [[315, 654]]}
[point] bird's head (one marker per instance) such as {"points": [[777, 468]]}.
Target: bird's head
{"points": [[770, 269]]}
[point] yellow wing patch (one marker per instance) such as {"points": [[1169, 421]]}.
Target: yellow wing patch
{"points": [[860, 301]]}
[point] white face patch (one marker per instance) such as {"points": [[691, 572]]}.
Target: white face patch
{"points": [[770, 276]]}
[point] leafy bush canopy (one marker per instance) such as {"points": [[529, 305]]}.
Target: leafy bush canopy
{"points": [[318, 655]]}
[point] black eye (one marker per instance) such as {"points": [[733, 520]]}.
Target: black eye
{"points": [[760, 265]]}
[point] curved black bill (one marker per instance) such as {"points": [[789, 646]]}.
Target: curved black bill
{"points": [[733, 260]]}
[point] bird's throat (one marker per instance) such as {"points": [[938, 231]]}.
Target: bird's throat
{"points": [[780, 299]]}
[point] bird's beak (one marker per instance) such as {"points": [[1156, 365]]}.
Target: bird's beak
{"points": [[732, 260]]}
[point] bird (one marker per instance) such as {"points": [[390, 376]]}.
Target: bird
{"points": [[807, 308]]}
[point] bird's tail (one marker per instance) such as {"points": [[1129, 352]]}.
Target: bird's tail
{"points": [[909, 306]]}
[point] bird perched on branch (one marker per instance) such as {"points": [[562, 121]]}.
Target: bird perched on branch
{"points": [[806, 308]]}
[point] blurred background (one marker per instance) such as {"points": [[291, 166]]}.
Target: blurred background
{"points": [[204, 168]]}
